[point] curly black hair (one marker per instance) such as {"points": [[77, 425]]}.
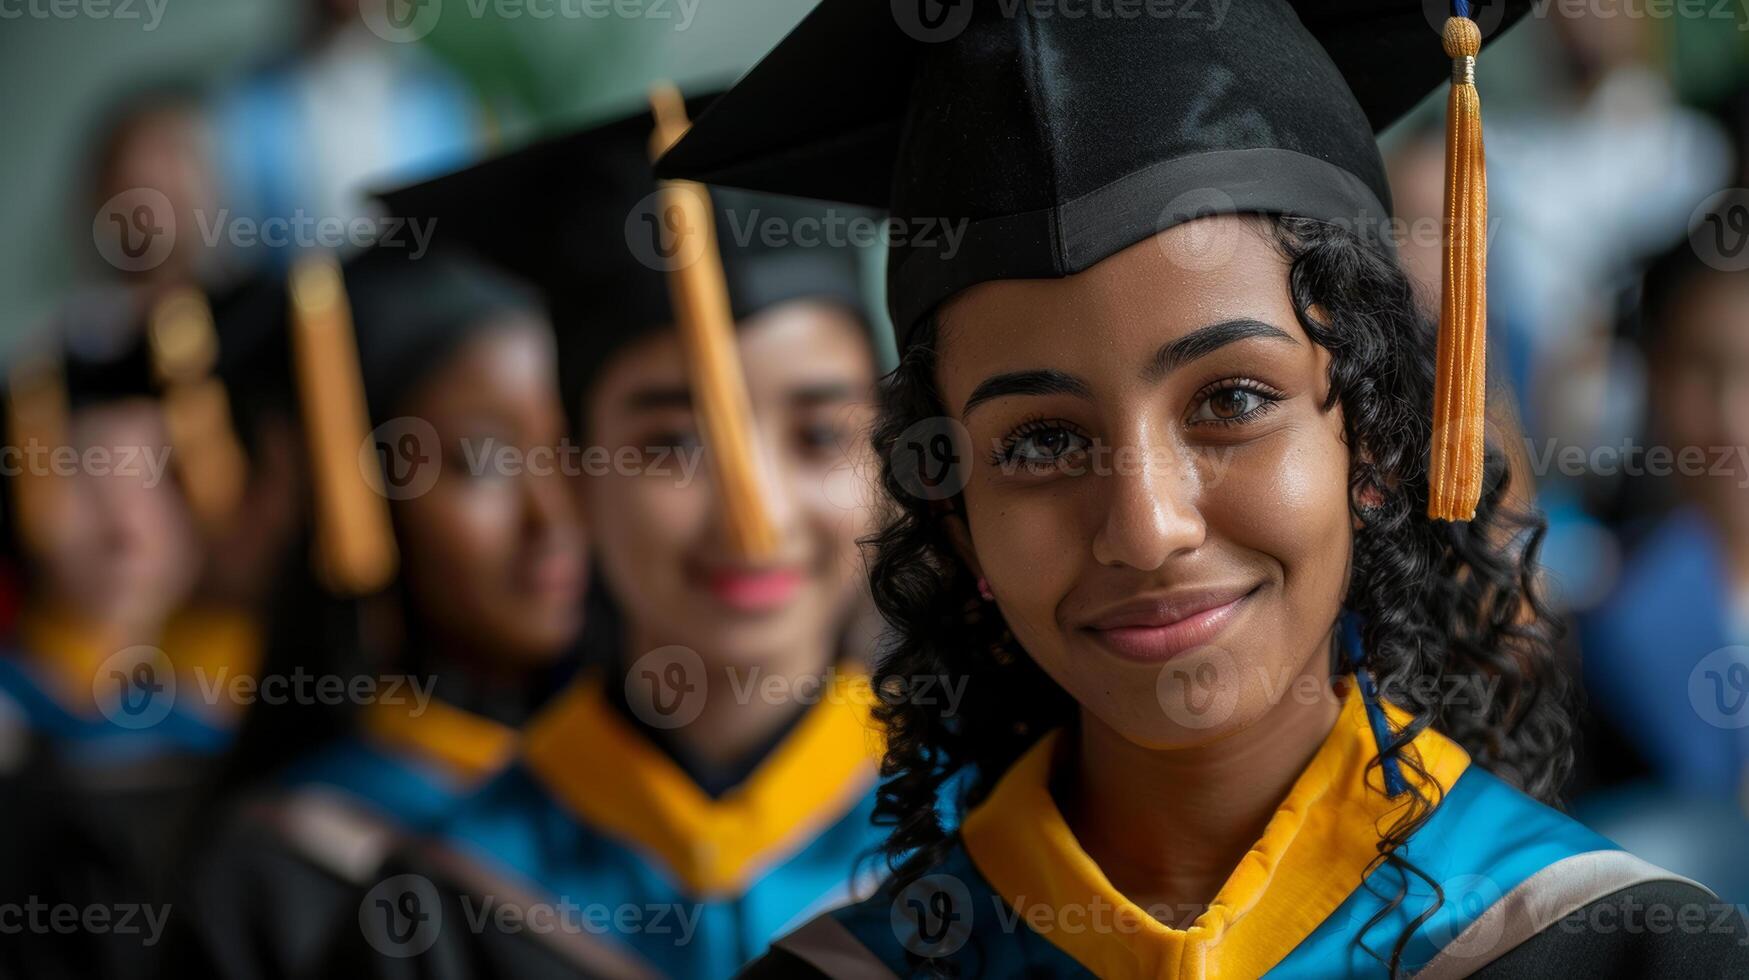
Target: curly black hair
{"points": [[1438, 600]]}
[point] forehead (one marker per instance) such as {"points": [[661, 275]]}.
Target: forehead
{"points": [[1119, 310], [781, 348], [509, 359]]}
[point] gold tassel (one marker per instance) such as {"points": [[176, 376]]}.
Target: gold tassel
{"points": [[36, 414], [197, 410], [700, 295], [355, 547], [1460, 386]]}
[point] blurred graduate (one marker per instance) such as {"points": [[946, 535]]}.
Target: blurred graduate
{"points": [[105, 735], [711, 780], [436, 605], [1663, 655], [1261, 681]]}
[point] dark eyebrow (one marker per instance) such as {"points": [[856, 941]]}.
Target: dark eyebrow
{"points": [[653, 398], [1026, 383], [1206, 340]]}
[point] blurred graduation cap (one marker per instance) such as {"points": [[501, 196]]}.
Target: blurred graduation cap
{"points": [[620, 255], [92, 352], [1063, 140], [342, 345]]}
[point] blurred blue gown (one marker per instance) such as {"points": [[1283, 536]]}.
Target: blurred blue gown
{"points": [[600, 855]]}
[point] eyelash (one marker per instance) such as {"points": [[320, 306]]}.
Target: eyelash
{"points": [[1270, 398], [1003, 454]]}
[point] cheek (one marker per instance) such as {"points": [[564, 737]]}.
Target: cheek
{"points": [[1030, 546], [456, 529], [641, 527], [1287, 499]]}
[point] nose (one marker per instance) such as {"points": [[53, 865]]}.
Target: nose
{"points": [[548, 504], [1152, 510], [772, 507]]}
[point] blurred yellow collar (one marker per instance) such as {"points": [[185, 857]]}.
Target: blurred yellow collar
{"points": [[613, 779], [202, 644], [469, 747]]}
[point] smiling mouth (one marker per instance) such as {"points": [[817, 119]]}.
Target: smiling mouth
{"points": [[1156, 630], [747, 590]]}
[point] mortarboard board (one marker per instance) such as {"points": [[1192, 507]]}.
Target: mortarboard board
{"points": [[620, 255], [576, 215], [1063, 140]]}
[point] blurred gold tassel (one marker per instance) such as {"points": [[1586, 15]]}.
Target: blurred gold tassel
{"points": [[36, 415], [1460, 386], [700, 296], [355, 547], [197, 410]]}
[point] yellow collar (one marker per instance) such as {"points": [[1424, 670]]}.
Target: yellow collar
{"points": [[199, 642], [467, 746], [67, 653], [1314, 852], [611, 777]]}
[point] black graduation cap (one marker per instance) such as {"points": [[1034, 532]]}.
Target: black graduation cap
{"points": [[97, 335], [1060, 140], [411, 312], [91, 352], [577, 214], [251, 320]]}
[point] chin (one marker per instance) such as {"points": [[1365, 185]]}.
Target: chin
{"points": [[1196, 698]]}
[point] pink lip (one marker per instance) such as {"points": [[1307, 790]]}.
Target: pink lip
{"points": [[556, 574], [1156, 629], [753, 591]]}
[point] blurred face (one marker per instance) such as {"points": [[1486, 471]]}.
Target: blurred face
{"points": [[1156, 494], [1700, 392], [165, 149], [659, 531], [122, 550], [492, 553]]}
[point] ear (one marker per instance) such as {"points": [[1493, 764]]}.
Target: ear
{"points": [[1363, 499], [960, 534]]}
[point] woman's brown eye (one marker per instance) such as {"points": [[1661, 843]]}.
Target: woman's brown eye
{"points": [[1230, 404]]}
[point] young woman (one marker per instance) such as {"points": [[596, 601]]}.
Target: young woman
{"points": [[711, 782], [1234, 704], [345, 751]]}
